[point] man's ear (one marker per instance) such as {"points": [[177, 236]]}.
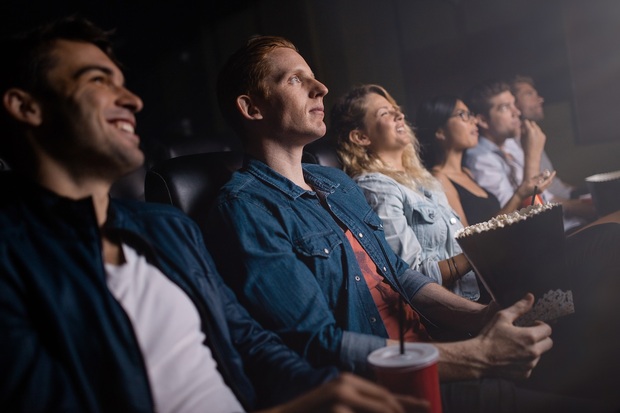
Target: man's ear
{"points": [[358, 137], [482, 121], [247, 108], [22, 106]]}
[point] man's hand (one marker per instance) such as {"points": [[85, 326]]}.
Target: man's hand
{"points": [[533, 143], [532, 138], [348, 394], [509, 351], [538, 182], [582, 208]]}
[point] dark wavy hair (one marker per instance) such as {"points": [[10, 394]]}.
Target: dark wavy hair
{"points": [[431, 115], [478, 98], [26, 61]]}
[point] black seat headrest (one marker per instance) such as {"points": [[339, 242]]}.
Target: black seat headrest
{"points": [[191, 182], [322, 152]]}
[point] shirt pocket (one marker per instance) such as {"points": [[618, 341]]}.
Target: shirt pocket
{"points": [[322, 253], [428, 227], [318, 244], [425, 215]]}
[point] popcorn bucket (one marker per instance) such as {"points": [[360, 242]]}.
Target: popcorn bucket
{"points": [[522, 252]]}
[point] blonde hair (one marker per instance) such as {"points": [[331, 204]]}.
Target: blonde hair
{"points": [[347, 115]]}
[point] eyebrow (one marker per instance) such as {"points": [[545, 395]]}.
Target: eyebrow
{"points": [[285, 74], [93, 68]]}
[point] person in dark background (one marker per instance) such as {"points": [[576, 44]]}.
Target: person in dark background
{"points": [[110, 305], [380, 151], [297, 243], [576, 211], [447, 128], [498, 123]]}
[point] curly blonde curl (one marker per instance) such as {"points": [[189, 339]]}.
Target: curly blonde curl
{"points": [[347, 115]]}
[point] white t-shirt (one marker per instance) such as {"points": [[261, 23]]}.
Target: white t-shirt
{"points": [[180, 367]]}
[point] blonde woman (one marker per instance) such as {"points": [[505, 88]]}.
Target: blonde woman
{"points": [[380, 152]]}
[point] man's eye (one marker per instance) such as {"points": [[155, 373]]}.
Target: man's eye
{"points": [[98, 79], [295, 79]]}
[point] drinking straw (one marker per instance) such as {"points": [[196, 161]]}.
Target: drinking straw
{"points": [[401, 325], [534, 196]]}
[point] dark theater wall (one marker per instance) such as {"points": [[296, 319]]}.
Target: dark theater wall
{"points": [[415, 48]]}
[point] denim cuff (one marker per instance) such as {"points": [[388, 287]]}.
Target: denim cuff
{"points": [[354, 351]]}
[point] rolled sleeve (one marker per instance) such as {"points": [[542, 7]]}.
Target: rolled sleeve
{"points": [[412, 281], [355, 349]]}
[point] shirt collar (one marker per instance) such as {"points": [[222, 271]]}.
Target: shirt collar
{"points": [[486, 143], [272, 178]]}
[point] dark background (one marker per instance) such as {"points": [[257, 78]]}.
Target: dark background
{"points": [[415, 48]]}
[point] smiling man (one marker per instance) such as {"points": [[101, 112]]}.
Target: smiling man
{"points": [[115, 306]]}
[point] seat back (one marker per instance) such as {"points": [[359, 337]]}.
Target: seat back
{"points": [[191, 182], [321, 152]]}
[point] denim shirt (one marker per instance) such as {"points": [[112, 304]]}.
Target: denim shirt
{"points": [[283, 251], [419, 226], [69, 346]]}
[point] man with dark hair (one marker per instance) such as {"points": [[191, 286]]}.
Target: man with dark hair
{"points": [[115, 306], [576, 211], [297, 243], [499, 122]]}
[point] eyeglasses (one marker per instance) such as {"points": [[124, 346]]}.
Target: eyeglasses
{"points": [[464, 114]]}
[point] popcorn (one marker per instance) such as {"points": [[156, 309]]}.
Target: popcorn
{"points": [[503, 220], [522, 252], [554, 304]]}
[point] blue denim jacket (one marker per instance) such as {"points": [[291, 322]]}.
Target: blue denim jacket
{"points": [[69, 346], [283, 251], [419, 226]]}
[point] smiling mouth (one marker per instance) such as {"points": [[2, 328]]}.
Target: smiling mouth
{"points": [[124, 126], [400, 129]]}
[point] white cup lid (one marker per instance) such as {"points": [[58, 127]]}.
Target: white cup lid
{"points": [[604, 177], [416, 355]]}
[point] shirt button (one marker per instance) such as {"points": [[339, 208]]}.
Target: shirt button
{"points": [[357, 278], [453, 220], [384, 269], [361, 235], [373, 320], [431, 215], [326, 251]]}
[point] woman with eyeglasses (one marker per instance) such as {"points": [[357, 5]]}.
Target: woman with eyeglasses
{"points": [[379, 150], [446, 128]]}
